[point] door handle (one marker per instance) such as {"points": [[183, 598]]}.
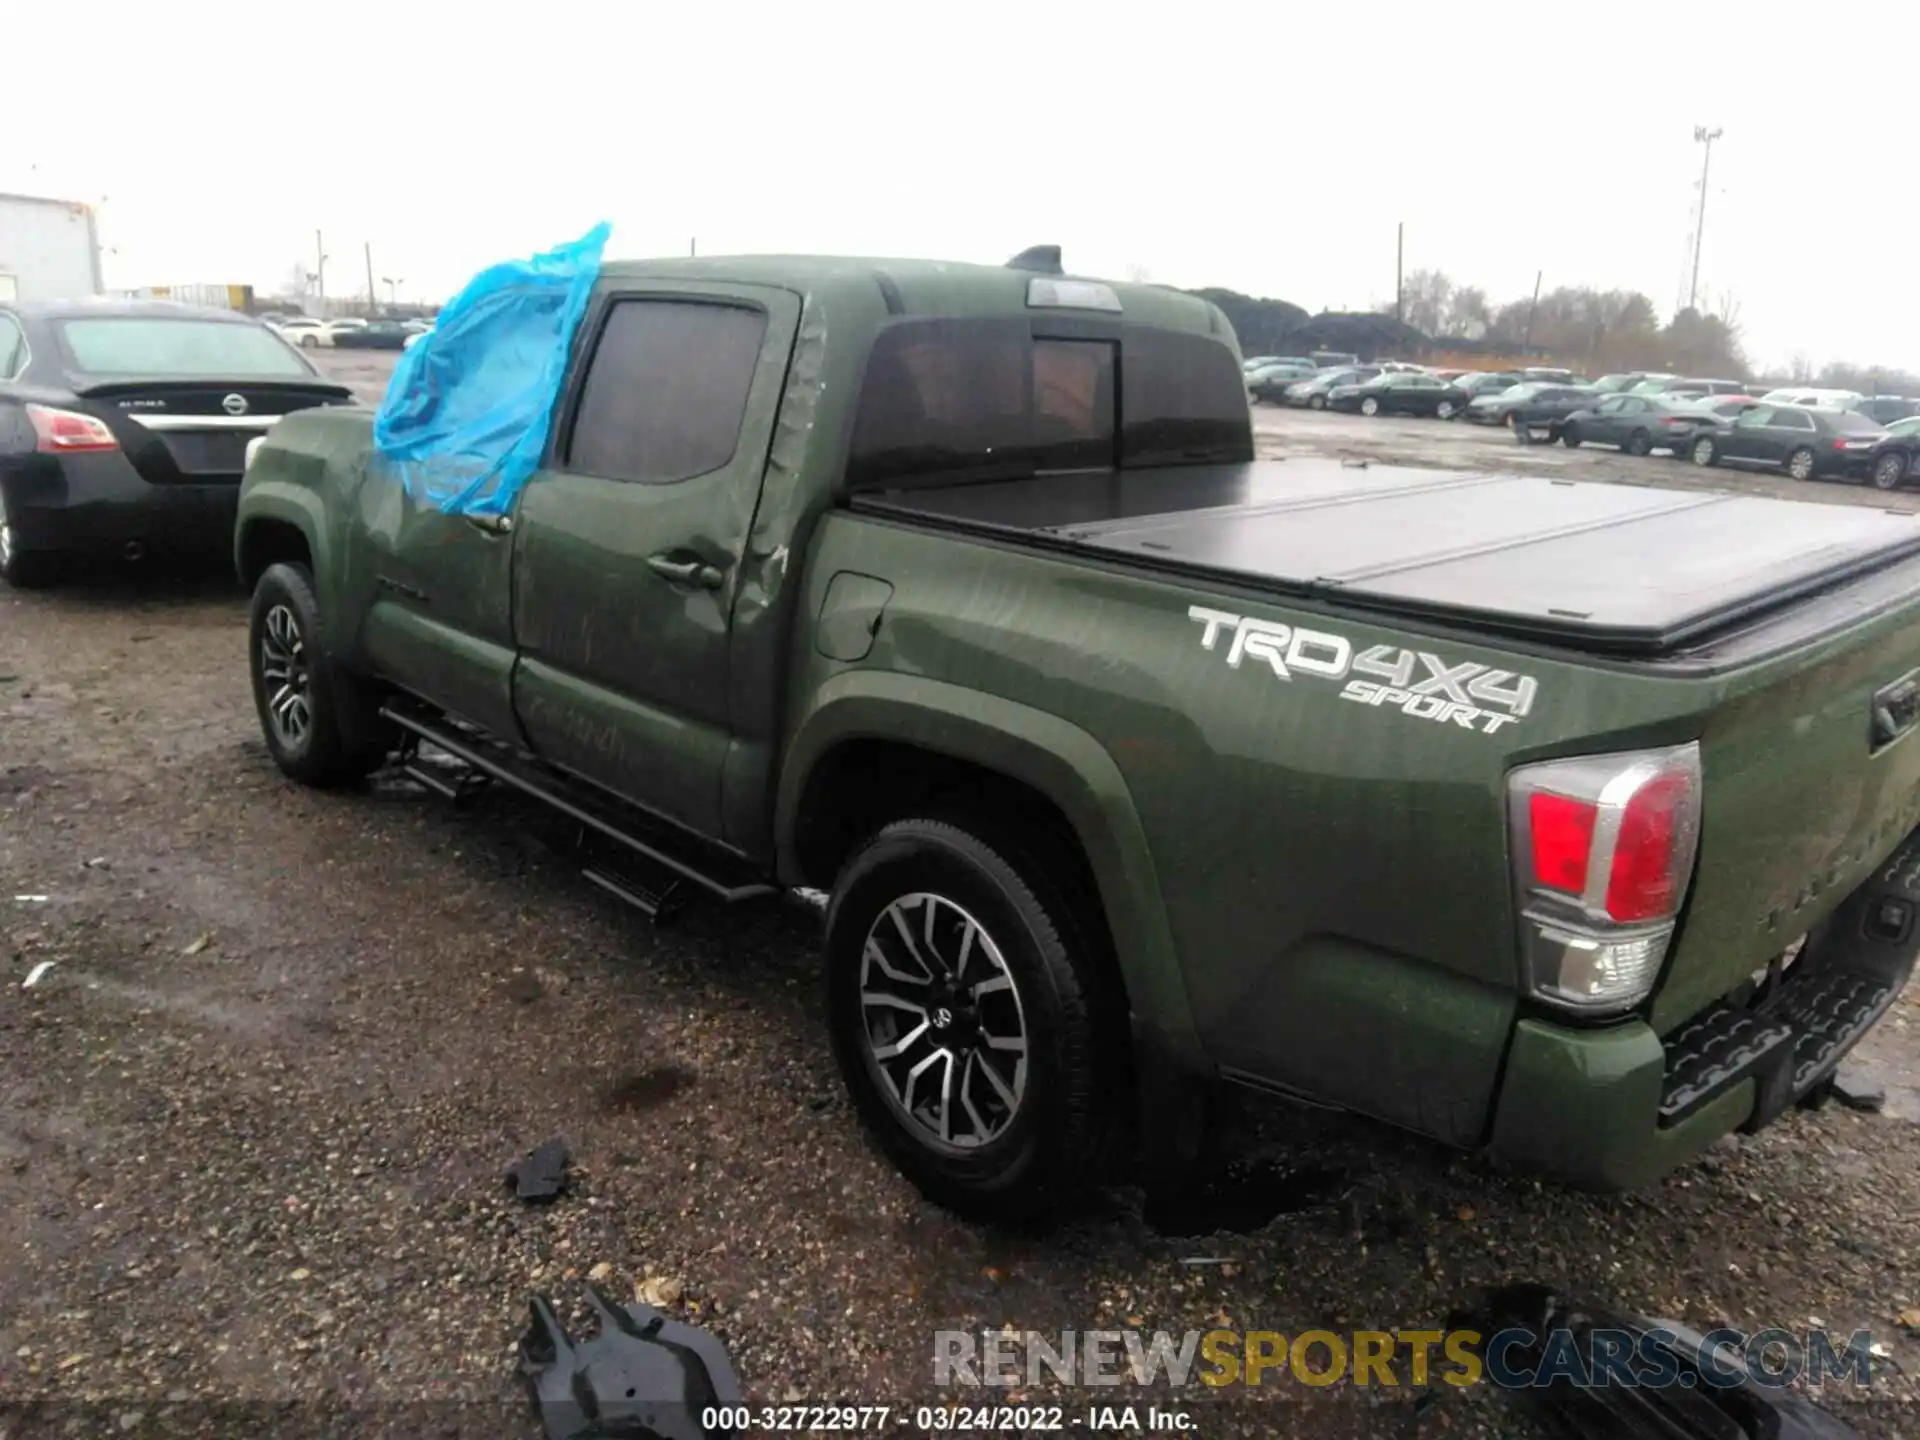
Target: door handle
{"points": [[686, 572], [491, 524]]}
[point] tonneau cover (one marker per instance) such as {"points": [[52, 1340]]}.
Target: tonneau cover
{"points": [[1605, 566]]}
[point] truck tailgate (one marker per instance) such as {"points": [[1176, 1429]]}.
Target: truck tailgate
{"points": [[1804, 795]]}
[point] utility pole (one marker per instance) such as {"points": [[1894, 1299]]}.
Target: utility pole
{"points": [[320, 272], [693, 246], [1704, 138], [1532, 310], [373, 295], [1400, 275], [393, 289]]}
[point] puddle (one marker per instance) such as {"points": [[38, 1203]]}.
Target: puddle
{"points": [[646, 1089], [1245, 1196]]}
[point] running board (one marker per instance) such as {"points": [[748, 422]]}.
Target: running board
{"points": [[485, 758]]}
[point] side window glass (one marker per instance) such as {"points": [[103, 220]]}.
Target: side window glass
{"points": [[13, 348], [666, 390]]}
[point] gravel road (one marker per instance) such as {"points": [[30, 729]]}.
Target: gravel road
{"points": [[253, 1120]]}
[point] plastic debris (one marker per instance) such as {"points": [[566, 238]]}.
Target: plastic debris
{"points": [[642, 1374], [30, 899], [197, 944], [36, 974], [542, 1175], [465, 419]]}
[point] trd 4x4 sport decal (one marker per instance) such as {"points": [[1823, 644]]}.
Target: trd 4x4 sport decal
{"points": [[1413, 682]]}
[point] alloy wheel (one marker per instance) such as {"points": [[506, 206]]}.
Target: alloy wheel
{"points": [[288, 675], [1888, 471], [946, 1032], [1800, 464]]}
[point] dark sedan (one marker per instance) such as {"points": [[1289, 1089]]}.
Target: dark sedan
{"points": [[1805, 441], [1470, 386], [1530, 408], [378, 335], [1398, 392], [1895, 457], [124, 426], [1638, 424], [1312, 393]]}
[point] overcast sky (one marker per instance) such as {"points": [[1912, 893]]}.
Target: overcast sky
{"points": [[1270, 148]]}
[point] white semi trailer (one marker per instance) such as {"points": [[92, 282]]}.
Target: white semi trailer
{"points": [[49, 249]]}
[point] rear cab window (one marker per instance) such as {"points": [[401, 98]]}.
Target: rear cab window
{"points": [[183, 348], [950, 400]]}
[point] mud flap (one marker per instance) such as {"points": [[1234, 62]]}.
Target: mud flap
{"points": [[642, 1374]]}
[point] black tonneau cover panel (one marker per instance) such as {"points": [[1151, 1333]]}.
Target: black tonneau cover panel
{"points": [[1612, 567]]}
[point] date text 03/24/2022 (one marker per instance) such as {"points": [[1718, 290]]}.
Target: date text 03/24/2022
{"points": [[941, 1419]]}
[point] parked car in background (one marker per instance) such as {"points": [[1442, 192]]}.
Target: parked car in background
{"points": [[1549, 375], [1725, 406], [1888, 408], [1807, 442], [1471, 385], [1270, 382], [1654, 384], [1895, 457], [1803, 398], [378, 335], [1637, 424], [124, 426], [1396, 392], [1530, 407], [1327, 359], [1700, 389], [1312, 393], [1261, 362]]}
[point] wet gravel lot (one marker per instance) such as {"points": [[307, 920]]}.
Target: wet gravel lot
{"points": [[253, 1119]]}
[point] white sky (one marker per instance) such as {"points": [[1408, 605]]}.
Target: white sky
{"points": [[1270, 148]]}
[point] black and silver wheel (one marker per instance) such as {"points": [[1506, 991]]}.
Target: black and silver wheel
{"points": [[1704, 451], [1889, 470], [1316, 402], [1370, 406], [963, 1010], [1639, 443], [1444, 410], [321, 725], [1800, 464], [21, 568]]}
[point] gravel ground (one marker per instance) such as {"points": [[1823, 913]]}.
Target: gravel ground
{"points": [[254, 1119]]}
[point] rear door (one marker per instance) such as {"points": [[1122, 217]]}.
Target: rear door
{"points": [[1745, 440], [628, 545]]}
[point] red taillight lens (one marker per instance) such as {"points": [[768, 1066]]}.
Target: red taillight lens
{"points": [[1645, 882], [65, 432], [1562, 840]]}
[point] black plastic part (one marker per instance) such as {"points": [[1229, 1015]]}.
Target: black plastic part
{"points": [[1692, 1405], [642, 1375], [542, 1175], [1040, 259], [1796, 1031]]}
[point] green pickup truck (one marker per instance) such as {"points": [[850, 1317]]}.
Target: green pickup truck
{"points": [[1569, 822]]}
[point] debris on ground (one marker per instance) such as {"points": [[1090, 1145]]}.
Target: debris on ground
{"points": [[36, 975], [642, 1374], [542, 1175], [197, 944], [660, 1291], [1857, 1090]]}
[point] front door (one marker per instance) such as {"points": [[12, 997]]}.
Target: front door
{"points": [[1746, 437], [628, 546]]}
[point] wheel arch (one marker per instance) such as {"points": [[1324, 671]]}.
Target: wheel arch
{"points": [[280, 527], [873, 744]]}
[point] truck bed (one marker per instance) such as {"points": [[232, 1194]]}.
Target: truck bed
{"points": [[1607, 568]]}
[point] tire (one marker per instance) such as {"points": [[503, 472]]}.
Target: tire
{"points": [[1570, 437], [309, 342], [1018, 1161], [1800, 464], [1316, 402], [1703, 451], [1444, 410], [1889, 470], [322, 724], [1370, 406], [1638, 443], [24, 569]]}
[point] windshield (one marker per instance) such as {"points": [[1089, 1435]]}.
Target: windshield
{"points": [[1909, 426], [1520, 392], [140, 345]]}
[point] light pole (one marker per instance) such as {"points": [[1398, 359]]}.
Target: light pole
{"points": [[393, 288], [1704, 138]]}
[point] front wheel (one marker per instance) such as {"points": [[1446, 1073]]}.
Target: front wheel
{"points": [[1704, 451], [1888, 471], [1369, 406], [1570, 437], [1639, 443], [1316, 402], [309, 342], [1800, 464], [963, 1010], [321, 724], [1444, 410]]}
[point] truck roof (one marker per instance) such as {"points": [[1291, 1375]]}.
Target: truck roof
{"points": [[923, 287]]}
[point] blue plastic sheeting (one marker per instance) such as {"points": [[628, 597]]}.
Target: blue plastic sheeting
{"points": [[466, 415]]}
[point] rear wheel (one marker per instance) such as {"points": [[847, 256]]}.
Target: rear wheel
{"points": [[1369, 406], [23, 569], [964, 1010], [1800, 464], [1704, 451], [321, 723], [1316, 402], [1570, 437], [1639, 443], [1889, 470], [309, 342], [1444, 410]]}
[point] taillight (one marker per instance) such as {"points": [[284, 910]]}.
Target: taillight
{"points": [[1603, 849], [65, 432]]}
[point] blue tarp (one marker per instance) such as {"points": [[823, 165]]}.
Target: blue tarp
{"points": [[466, 415]]}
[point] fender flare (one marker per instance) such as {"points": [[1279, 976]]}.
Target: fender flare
{"points": [[1053, 756]]}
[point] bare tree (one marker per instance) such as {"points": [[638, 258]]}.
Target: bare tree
{"points": [[1138, 274], [299, 284], [1800, 367]]}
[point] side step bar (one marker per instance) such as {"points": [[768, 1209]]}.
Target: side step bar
{"points": [[473, 752]]}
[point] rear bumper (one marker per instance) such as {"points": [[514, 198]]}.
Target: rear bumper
{"points": [[92, 503], [1617, 1108]]}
